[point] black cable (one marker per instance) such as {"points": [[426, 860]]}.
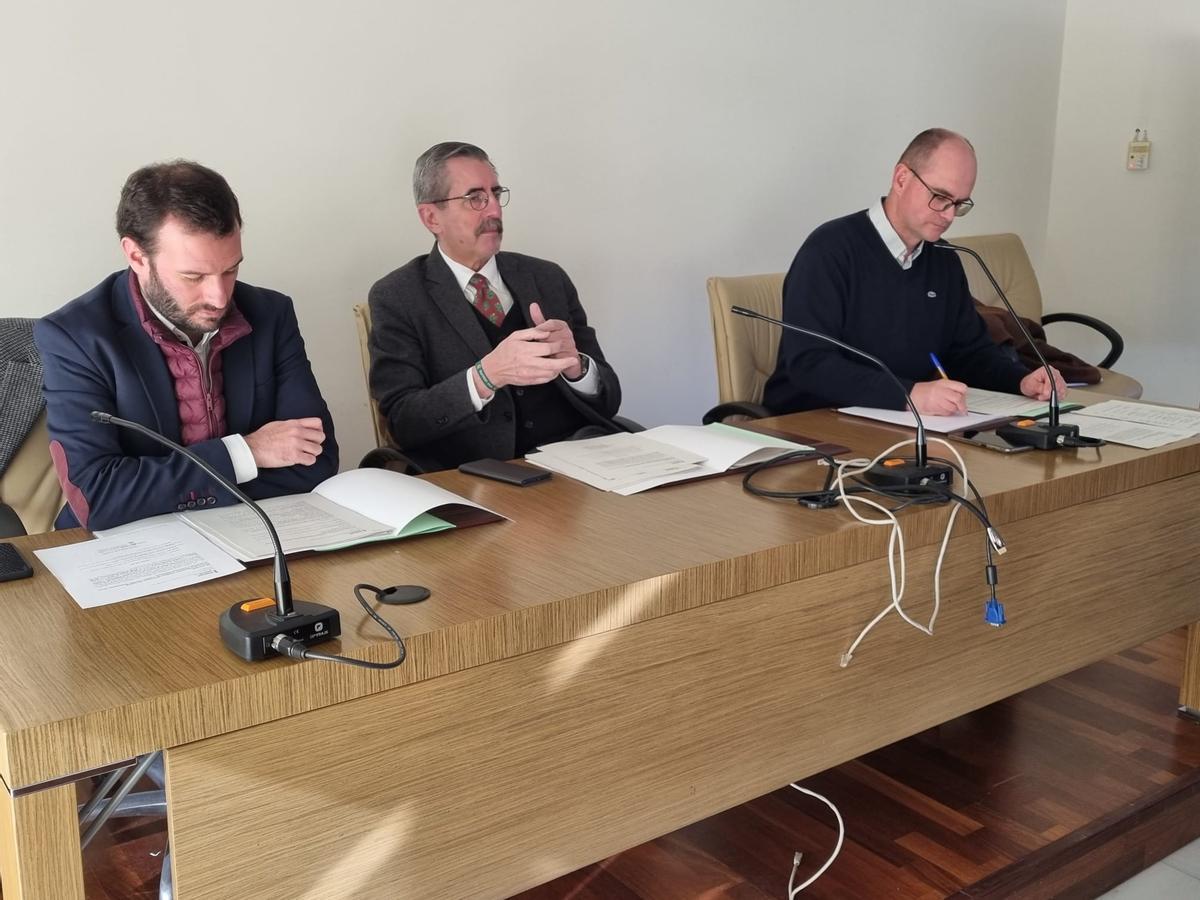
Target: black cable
{"points": [[826, 497], [799, 496], [974, 490], [976, 511], [285, 646], [993, 609], [917, 494], [989, 530], [789, 457]]}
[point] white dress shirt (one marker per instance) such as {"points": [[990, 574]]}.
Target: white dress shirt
{"points": [[892, 240]]}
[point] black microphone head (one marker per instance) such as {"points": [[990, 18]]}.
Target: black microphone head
{"points": [[102, 417], [742, 311]]}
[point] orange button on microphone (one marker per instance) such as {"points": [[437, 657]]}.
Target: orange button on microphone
{"points": [[893, 462], [260, 603], [1025, 423]]}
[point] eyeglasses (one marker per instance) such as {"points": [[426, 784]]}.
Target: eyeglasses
{"points": [[478, 199], [940, 202]]}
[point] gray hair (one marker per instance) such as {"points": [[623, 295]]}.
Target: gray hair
{"points": [[923, 146], [429, 174]]}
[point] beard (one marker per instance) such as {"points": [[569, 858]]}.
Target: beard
{"points": [[156, 294]]}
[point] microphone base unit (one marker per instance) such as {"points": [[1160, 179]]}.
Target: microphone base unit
{"points": [[899, 472], [1043, 435], [248, 628]]}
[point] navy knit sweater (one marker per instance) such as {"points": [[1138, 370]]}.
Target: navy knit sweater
{"points": [[844, 283]]}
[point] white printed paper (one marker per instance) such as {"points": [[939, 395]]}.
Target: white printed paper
{"points": [[135, 564]]}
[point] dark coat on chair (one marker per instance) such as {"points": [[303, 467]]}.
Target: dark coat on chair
{"points": [[425, 335], [20, 386]]}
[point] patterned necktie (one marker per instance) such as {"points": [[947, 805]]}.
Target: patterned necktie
{"points": [[486, 300]]}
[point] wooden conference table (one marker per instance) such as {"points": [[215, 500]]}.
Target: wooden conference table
{"points": [[596, 672]]}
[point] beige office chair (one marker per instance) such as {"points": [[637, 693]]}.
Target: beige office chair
{"points": [[29, 486], [385, 455], [746, 349], [362, 319], [1009, 263]]}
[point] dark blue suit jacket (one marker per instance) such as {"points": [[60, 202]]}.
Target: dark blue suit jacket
{"points": [[96, 355]]}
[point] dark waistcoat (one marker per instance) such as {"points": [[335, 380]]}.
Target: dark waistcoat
{"points": [[543, 414]]}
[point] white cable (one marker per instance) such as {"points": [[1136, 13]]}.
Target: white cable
{"points": [[856, 467], [937, 569], [793, 891]]}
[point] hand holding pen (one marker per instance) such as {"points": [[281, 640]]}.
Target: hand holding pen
{"points": [[941, 397]]}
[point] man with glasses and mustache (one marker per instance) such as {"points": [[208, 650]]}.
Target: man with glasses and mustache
{"points": [[178, 344], [478, 353], [868, 280]]}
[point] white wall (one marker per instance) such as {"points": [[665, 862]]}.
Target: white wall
{"points": [[648, 145], [1125, 246]]}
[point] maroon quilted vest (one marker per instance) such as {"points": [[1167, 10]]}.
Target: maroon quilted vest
{"points": [[200, 395]]}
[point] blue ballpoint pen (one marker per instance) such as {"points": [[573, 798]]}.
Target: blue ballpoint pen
{"points": [[937, 364]]}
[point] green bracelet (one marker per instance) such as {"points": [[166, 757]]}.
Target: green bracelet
{"points": [[483, 377]]}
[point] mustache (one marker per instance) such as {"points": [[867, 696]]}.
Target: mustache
{"points": [[489, 225]]}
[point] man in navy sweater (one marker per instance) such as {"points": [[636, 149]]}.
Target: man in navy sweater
{"points": [[869, 280]]}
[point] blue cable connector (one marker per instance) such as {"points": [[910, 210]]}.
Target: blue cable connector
{"points": [[993, 613]]}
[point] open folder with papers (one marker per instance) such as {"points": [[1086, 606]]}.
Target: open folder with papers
{"points": [[629, 463], [356, 507]]}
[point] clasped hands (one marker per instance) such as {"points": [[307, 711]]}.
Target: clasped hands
{"points": [[534, 355]]}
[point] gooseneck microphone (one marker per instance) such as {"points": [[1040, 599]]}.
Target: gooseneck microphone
{"points": [[250, 629], [1049, 435], [890, 473]]}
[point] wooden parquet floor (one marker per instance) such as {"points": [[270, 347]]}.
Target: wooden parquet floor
{"points": [[1063, 790]]}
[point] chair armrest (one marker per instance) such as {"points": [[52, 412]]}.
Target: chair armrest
{"points": [[628, 424], [1117, 345], [389, 458], [735, 408], [10, 523]]}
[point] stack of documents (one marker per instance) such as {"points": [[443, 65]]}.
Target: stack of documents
{"points": [[179, 549], [984, 407], [629, 463], [1142, 425]]}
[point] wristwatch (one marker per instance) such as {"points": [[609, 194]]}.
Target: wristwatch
{"points": [[585, 363]]}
